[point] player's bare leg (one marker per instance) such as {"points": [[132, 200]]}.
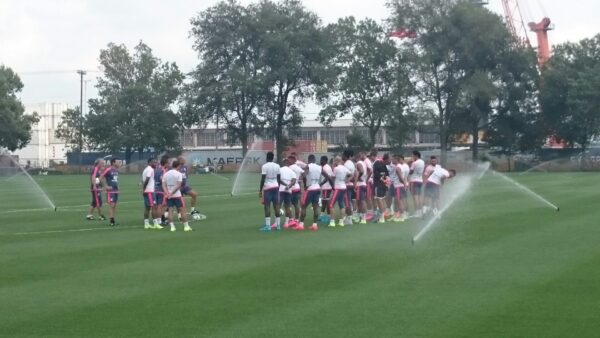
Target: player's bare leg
{"points": [[183, 212]]}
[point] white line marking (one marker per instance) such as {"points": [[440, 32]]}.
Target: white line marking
{"points": [[221, 177], [71, 230], [59, 207]]}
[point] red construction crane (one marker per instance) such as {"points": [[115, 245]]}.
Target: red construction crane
{"points": [[518, 29]]}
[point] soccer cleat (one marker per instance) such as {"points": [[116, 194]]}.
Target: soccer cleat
{"points": [[332, 224], [314, 227], [363, 221], [266, 228], [102, 218], [273, 226], [382, 220], [89, 217], [158, 227], [356, 219], [299, 227], [148, 226], [341, 223], [187, 228], [173, 229], [286, 225]]}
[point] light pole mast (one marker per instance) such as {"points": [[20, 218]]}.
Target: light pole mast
{"points": [[81, 74]]}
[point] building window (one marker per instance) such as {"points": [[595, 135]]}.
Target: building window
{"points": [[188, 138], [308, 135], [430, 138], [207, 139], [335, 136]]}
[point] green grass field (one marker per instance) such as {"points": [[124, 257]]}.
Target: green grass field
{"points": [[498, 264]]}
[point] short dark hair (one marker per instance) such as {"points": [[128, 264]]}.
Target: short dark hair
{"points": [[175, 164], [400, 156], [311, 158], [270, 156], [386, 156], [417, 153], [164, 160], [324, 160], [151, 159], [373, 152], [433, 158], [113, 160], [348, 153]]}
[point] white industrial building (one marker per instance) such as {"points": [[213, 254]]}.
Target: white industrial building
{"points": [[44, 147]]}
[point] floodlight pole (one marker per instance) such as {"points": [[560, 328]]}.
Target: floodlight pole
{"points": [[81, 74]]}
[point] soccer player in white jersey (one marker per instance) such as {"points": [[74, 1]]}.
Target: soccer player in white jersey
{"points": [[417, 166], [397, 186], [286, 186], [371, 205], [296, 189], [341, 175], [268, 191], [172, 183], [312, 193], [434, 182], [404, 172], [326, 188], [148, 191], [361, 188], [429, 168], [350, 184]]}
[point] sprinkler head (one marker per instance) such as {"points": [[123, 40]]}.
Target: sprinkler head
{"points": [[54, 209], [557, 209]]}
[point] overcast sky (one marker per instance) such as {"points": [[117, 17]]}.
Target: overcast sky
{"points": [[46, 41]]}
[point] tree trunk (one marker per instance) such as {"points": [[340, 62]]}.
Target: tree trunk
{"points": [[475, 134], [372, 138], [127, 157], [508, 156], [244, 146], [443, 147], [279, 144]]}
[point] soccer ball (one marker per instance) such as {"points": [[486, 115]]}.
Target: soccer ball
{"points": [[196, 217]]}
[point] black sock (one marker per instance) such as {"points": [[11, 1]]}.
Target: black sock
{"points": [[112, 219]]}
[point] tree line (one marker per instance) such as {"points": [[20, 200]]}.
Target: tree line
{"points": [[455, 69]]}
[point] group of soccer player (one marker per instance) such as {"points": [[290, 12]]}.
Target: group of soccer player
{"points": [[163, 186], [364, 187]]}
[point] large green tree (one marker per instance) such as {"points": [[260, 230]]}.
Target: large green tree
{"points": [[69, 130], [134, 110], [15, 126], [296, 58], [229, 84], [369, 83], [454, 57], [515, 122], [570, 93]]}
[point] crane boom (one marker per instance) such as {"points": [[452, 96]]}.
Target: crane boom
{"points": [[514, 21]]}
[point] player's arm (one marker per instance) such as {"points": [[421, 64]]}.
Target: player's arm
{"points": [[369, 172], [263, 177], [93, 178], [292, 183], [279, 181], [145, 184], [399, 174], [361, 171], [103, 179], [304, 181]]}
